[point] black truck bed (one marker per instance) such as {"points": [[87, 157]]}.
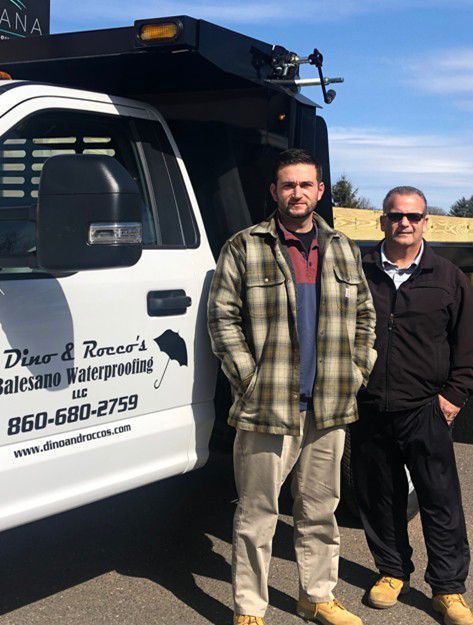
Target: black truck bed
{"points": [[205, 57]]}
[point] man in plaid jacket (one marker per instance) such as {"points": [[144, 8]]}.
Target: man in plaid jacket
{"points": [[292, 320]]}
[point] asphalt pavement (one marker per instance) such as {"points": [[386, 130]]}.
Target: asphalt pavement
{"points": [[161, 555]]}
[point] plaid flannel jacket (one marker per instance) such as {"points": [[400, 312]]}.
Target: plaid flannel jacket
{"points": [[252, 324]]}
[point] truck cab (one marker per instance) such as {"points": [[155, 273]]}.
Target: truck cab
{"points": [[107, 379]]}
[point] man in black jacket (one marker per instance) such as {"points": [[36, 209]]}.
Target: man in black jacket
{"points": [[422, 378]]}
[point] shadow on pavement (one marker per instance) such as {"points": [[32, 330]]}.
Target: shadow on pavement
{"points": [[160, 532], [421, 601], [356, 574]]}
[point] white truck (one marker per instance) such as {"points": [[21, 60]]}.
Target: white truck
{"points": [[107, 381]]}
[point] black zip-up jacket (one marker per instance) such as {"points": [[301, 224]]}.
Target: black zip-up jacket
{"points": [[424, 334]]}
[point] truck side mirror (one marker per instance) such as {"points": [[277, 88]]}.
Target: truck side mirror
{"points": [[88, 214]]}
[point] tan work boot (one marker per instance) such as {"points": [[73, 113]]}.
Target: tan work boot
{"points": [[454, 608], [327, 613], [385, 592], [246, 619]]}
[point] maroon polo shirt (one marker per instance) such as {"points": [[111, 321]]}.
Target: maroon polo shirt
{"points": [[305, 266]]}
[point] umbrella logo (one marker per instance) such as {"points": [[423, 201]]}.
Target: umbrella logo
{"points": [[170, 343]]}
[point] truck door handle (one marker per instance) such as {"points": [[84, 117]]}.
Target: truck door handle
{"points": [[166, 303]]}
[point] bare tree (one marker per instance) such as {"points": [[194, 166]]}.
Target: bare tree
{"points": [[436, 210], [365, 204]]}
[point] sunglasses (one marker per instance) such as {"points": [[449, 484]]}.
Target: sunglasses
{"points": [[413, 217]]}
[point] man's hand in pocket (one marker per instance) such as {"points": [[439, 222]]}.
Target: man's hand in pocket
{"points": [[449, 410]]}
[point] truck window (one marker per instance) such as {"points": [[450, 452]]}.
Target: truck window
{"points": [[176, 223], [26, 147]]}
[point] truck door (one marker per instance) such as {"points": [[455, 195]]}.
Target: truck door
{"points": [[106, 377]]}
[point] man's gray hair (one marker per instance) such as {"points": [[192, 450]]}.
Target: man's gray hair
{"points": [[405, 190]]}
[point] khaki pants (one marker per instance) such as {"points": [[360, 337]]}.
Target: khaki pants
{"points": [[262, 462]]}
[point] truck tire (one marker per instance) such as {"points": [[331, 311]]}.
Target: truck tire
{"points": [[348, 495]]}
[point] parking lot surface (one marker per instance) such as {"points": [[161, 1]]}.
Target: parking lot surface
{"points": [[161, 555]]}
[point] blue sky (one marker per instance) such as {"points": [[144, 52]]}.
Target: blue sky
{"points": [[405, 112]]}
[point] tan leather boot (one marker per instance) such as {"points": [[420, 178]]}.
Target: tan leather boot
{"points": [[454, 608], [385, 592], [247, 619], [327, 613]]}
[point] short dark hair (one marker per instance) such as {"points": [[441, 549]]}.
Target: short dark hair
{"points": [[404, 190], [295, 156]]}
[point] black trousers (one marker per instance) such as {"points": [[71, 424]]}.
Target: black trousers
{"points": [[382, 443]]}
